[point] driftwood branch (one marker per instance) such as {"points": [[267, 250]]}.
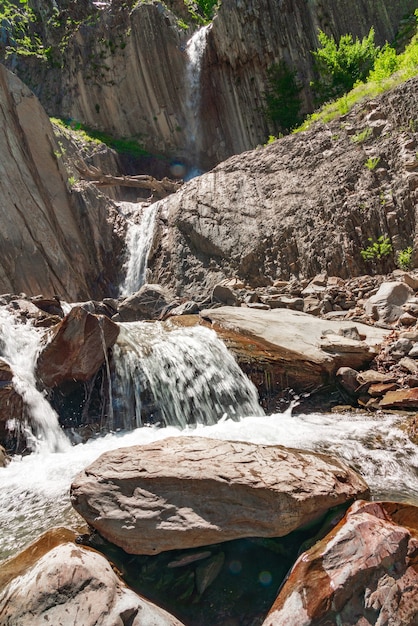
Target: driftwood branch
{"points": [[159, 188]]}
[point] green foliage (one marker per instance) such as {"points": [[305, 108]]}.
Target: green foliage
{"points": [[202, 11], [404, 258], [340, 66], [282, 97], [377, 250], [386, 63], [363, 135], [372, 163], [406, 67]]}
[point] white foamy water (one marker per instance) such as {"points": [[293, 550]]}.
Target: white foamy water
{"points": [[187, 373], [139, 238], [19, 346], [35, 489]]}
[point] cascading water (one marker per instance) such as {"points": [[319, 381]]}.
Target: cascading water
{"points": [[141, 222], [187, 374], [195, 50], [20, 345]]}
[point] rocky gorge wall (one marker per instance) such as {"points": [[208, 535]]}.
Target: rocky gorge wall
{"points": [[54, 239], [125, 72]]}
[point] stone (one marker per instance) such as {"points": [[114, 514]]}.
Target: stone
{"points": [[186, 492], [406, 319], [413, 353], [186, 308], [146, 304], [297, 345], [400, 399], [4, 457], [347, 377], [409, 365], [365, 571], [224, 293], [386, 305], [399, 348], [377, 390], [77, 348], [74, 585]]}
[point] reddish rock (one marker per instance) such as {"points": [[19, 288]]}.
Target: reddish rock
{"points": [[380, 389], [400, 399], [77, 348], [364, 572]]}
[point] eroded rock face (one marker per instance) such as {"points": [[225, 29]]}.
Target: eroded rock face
{"points": [[53, 240], [365, 571], [188, 492], [304, 205], [77, 349], [70, 586]]}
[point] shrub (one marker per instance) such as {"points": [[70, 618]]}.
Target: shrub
{"points": [[340, 66], [377, 250], [404, 258], [372, 163]]}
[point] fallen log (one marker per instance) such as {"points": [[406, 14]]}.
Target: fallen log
{"points": [[159, 188]]}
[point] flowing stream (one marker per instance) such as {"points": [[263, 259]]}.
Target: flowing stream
{"points": [[196, 388]]}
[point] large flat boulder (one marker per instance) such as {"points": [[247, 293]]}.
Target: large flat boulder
{"points": [[364, 572], [74, 586], [306, 351], [184, 492]]}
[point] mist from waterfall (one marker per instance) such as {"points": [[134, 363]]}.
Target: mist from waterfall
{"points": [[186, 376], [140, 233], [20, 344]]}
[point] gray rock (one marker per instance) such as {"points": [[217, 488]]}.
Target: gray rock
{"points": [[73, 586], [146, 304], [386, 304], [185, 492]]}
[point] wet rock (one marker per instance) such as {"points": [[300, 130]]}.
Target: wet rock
{"points": [[12, 411], [348, 379], [4, 457], [146, 304], [365, 571], [186, 308], [77, 348], [73, 585], [400, 399], [189, 492], [386, 305]]}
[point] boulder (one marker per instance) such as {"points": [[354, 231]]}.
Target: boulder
{"points": [[185, 492], [77, 349], [365, 571], [12, 410], [74, 586], [146, 304], [386, 304], [303, 351]]}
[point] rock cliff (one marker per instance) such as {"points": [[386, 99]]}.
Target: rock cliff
{"points": [[305, 204], [127, 69], [54, 239]]}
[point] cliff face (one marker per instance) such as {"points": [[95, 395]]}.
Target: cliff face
{"points": [[53, 240], [130, 74], [306, 204]]}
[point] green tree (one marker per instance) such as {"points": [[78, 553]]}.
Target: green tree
{"points": [[282, 97], [340, 66]]}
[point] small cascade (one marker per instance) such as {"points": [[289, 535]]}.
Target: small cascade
{"points": [[195, 49], [177, 376], [19, 347], [141, 223]]}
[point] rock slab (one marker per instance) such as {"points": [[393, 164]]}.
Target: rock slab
{"points": [[74, 586], [364, 572], [185, 492]]}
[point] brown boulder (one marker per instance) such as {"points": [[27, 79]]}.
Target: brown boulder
{"points": [[11, 408], [184, 492], [77, 348], [364, 572]]}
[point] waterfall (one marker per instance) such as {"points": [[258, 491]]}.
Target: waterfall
{"points": [[195, 49], [178, 376], [141, 223], [19, 347]]}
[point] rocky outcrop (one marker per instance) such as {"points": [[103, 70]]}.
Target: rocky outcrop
{"points": [[71, 585], [77, 348], [304, 205], [54, 240], [125, 67], [364, 572], [188, 492]]}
